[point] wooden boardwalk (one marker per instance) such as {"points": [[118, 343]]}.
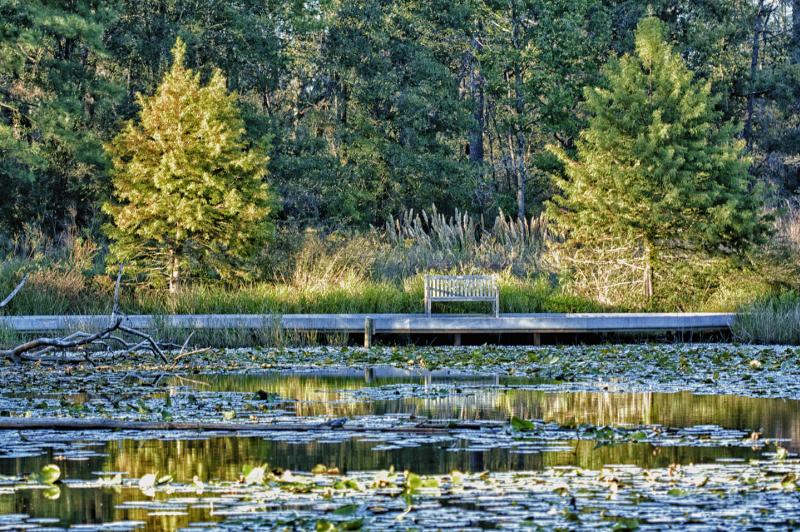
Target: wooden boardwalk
{"points": [[396, 323]]}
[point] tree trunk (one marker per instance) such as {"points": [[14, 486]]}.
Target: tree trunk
{"points": [[648, 270], [519, 107], [476, 152], [174, 272], [795, 32], [751, 97]]}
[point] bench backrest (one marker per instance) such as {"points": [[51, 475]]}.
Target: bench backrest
{"points": [[457, 287]]}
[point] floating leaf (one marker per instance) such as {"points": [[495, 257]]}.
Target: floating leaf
{"points": [[50, 474], [323, 525], [354, 524], [52, 493], [116, 480], [147, 482], [347, 509], [522, 425], [254, 476], [781, 453], [262, 395]]}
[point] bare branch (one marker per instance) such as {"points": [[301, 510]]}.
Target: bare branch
{"points": [[57, 343], [37, 349], [115, 307], [153, 344], [14, 292]]}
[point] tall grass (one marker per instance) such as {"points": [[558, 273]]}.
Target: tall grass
{"points": [[421, 242], [381, 270], [773, 320]]}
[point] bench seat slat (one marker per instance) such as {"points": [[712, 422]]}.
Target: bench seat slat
{"points": [[443, 288]]}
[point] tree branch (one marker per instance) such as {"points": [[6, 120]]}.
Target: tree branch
{"points": [[14, 292], [34, 350]]}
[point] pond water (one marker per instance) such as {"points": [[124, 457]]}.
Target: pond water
{"points": [[570, 432]]}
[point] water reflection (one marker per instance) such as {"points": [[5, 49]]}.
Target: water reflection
{"points": [[370, 392], [457, 397], [223, 458]]}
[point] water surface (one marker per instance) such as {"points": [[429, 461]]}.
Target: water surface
{"points": [[406, 396]]}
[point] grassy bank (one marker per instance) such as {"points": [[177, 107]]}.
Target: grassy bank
{"points": [[45, 293], [381, 271], [772, 320]]}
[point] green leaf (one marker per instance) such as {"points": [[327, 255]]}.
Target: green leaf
{"points": [[347, 509], [50, 474], [52, 493], [522, 425], [354, 524], [323, 525], [413, 481]]}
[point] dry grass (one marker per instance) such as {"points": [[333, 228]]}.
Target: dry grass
{"points": [[423, 242]]}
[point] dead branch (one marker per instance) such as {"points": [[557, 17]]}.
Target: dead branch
{"points": [[14, 292], [148, 339], [186, 354], [16, 353], [34, 350]]}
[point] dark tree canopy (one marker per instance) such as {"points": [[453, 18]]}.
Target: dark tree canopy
{"points": [[369, 107]]}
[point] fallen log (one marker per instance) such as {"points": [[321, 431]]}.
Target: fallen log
{"points": [[38, 349], [68, 424]]}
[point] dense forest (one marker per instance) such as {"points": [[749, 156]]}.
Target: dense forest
{"points": [[361, 110], [370, 107]]}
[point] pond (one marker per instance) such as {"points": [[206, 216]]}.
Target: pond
{"points": [[490, 448]]}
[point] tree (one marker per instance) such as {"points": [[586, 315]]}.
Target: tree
{"points": [[190, 192], [397, 120], [56, 96], [654, 164], [536, 57]]}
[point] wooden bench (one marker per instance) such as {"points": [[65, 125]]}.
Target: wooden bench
{"points": [[443, 288]]}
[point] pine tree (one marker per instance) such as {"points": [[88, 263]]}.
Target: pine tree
{"points": [[654, 164], [190, 194], [57, 96]]}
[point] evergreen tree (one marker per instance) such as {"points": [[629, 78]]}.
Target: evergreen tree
{"points": [[398, 120], [654, 164], [56, 98], [191, 196]]}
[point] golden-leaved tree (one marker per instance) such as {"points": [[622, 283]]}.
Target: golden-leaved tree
{"points": [[189, 193]]}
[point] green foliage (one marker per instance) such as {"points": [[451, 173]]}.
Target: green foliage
{"points": [[655, 165], [402, 113], [367, 109], [522, 425], [56, 98], [190, 193]]}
